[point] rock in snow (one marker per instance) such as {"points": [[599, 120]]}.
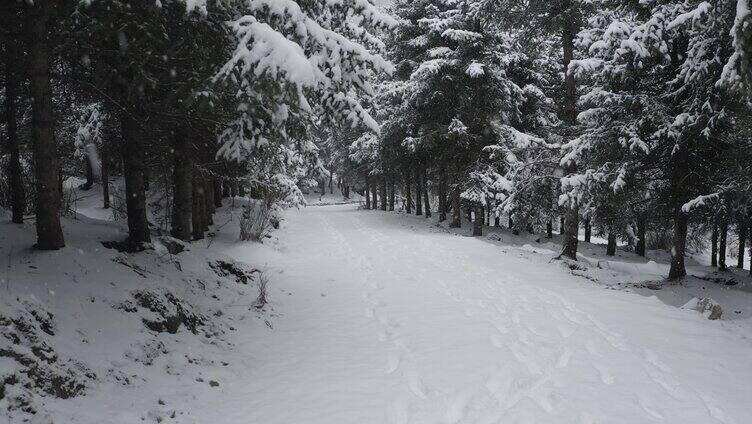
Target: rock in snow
{"points": [[708, 307]]}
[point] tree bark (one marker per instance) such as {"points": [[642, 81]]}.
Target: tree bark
{"points": [[641, 242], [198, 211], [383, 192], [182, 178], [408, 194], [47, 173], [105, 177], [218, 192], [549, 229], [209, 200], [374, 193], [714, 246], [611, 246], [571, 228], [742, 225], [133, 170], [418, 193], [426, 200], [442, 195], [723, 229], [456, 213], [367, 193], [392, 194], [478, 220], [681, 220], [331, 183], [15, 178], [588, 230]]}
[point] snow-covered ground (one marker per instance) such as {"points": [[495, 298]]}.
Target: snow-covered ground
{"points": [[379, 317]]}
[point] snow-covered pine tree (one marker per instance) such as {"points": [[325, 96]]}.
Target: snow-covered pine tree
{"points": [[657, 109]]}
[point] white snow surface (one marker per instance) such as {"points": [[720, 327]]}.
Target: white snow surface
{"points": [[377, 317]]}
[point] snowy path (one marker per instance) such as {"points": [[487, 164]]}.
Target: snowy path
{"points": [[385, 321]]}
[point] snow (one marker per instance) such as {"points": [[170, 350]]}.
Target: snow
{"points": [[380, 317]]}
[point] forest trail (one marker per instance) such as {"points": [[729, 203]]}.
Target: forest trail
{"points": [[383, 319]]}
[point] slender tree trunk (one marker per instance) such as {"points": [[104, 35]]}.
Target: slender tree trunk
{"points": [[392, 194], [641, 242], [426, 200], [408, 194], [478, 220], [374, 193], [549, 229], [714, 246], [418, 194], [49, 231], [367, 193], [331, 183], [572, 221], [199, 208], [681, 221], [383, 192], [456, 213], [105, 177], [611, 246], [182, 205], [497, 221], [571, 228], [561, 225], [89, 175], [218, 193], [742, 225], [588, 230], [209, 200], [133, 170], [723, 228], [15, 178], [442, 195]]}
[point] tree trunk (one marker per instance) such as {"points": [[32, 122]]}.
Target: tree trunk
{"points": [[714, 246], [218, 192], [478, 220], [571, 228], [133, 170], [426, 201], [198, 210], [408, 194], [374, 193], [681, 220], [641, 242], [15, 178], [418, 194], [742, 225], [588, 230], [383, 192], [442, 195], [723, 228], [456, 213], [549, 229], [497, 220], [47, 173], [367, 193], [611, 246], [392, 193], [89, 175], [331, 183], [209, 200], [105, 177], [182, 178], [511, 221]]}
